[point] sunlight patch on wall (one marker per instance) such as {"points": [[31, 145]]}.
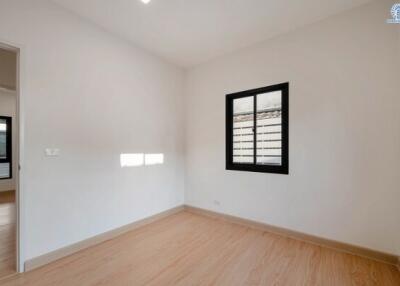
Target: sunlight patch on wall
{"points": [[132, 160], [154, 159], [140, 159]]}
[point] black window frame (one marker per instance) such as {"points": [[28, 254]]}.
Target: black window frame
{"points": [[8, 160], [253, 167]]}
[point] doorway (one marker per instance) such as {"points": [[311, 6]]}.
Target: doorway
{"points": [[9, 147]]}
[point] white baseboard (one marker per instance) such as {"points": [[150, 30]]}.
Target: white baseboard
{"points": [[73, 248], [337, 245]]}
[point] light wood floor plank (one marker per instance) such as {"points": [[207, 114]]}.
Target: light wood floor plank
{"points": [[189, 249], [7, 233]]}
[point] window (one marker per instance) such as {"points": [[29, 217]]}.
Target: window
{"points": [[257, 130], [5, 148]]}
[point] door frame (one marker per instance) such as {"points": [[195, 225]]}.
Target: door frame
{"points": [[17, 170]]}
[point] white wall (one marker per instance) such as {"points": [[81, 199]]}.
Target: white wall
{"points": [[344, 99], [94, 96], [8, 107]]}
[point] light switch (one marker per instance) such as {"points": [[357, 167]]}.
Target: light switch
{"points": [[52, 152]]}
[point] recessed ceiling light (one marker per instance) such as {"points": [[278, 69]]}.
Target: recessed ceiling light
{"points": [[146, 1]]}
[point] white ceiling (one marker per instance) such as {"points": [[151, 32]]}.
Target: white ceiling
{"points": [[189, 32]]}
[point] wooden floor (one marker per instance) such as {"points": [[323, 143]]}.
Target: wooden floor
{"points": [[189, 249], [7, 233]]}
